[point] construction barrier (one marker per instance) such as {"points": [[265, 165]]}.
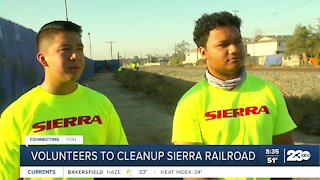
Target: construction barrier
{"points": [[19, 68]]}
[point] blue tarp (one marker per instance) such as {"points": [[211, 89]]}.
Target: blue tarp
{"points": [[273, 60]]}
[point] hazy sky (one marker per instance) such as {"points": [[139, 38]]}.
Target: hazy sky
{"points": [[141, 27]]}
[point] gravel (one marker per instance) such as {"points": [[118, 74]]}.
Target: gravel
{"points": [[292, 82]]}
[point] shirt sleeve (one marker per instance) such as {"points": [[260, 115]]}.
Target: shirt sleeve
{"points": [[283, 121], [186, 127], [9, 146], [115, 134]]}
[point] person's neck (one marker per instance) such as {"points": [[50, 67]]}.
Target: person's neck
{"points": [[225, 77], [59, 88], [228, 84]]}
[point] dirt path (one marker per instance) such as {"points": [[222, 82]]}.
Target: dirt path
{"points": [[144, 120]]}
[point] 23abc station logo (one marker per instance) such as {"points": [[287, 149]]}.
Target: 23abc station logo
{"points": [[298, 155]]}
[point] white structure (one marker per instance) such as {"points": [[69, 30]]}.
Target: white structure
{"points": [[267, 45], [192, 56], [293, 60]]}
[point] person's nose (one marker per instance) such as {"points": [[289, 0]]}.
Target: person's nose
{"points": [[75, 55], [232, 49]]}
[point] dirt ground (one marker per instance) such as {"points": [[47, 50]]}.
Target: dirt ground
{"points": [[144, 120]]}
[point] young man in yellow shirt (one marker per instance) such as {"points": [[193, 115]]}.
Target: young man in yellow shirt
{"points": [[229, 106], [59, 106]]}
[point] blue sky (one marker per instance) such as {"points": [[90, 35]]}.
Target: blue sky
{"points": [[141, 27]]}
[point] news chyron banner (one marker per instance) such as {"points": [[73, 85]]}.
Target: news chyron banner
{"points": [[169, 161]]}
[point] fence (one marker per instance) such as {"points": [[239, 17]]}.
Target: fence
{"points": [[19, 68]]}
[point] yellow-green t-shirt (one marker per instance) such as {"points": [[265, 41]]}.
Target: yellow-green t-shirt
{"points": [[84, 112], [250, 114]]}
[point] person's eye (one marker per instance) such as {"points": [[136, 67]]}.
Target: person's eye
{"points": [[222, 45], [64, 49]]}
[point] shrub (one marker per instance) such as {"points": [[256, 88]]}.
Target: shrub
{"points": [[305, 112], [175, 60], [166, 90], [201, 62]]}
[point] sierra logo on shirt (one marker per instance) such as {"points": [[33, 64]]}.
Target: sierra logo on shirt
{"points": [[65, 122], [229, 113]]}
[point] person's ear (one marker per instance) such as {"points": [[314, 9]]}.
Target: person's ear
{"points": [[203, 52], [42, 60]]}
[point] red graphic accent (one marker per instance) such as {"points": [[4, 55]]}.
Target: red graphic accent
{"points": [[229, 113], [65, 122]]}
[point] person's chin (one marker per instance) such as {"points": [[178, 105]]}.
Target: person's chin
{"points": [[235, 66], [73, 78], [235, 69]]}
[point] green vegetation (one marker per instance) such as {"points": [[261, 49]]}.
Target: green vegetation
{"points": [[175, 60], [304, 110], [179, 53], [201, 62], [305, 42], [166, 90]]}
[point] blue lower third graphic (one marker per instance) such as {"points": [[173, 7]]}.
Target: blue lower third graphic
{"points": [[169, 155]]}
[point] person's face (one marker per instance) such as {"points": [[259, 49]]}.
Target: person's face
{"points": [[224, 52], [63, 57]]}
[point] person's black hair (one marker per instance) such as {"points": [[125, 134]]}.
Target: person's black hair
{"points": [[208, 22], [54, 27]]}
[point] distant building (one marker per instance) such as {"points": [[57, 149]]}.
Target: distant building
{"points": [[267, 45], [192, 56]]}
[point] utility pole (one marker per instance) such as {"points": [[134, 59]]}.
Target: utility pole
{"points": [[110, 42], [66, 8], [90, 45]]}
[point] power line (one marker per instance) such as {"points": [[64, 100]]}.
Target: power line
{"points": [[284, 24], [289, 25], [288, 9], [281, 11]]}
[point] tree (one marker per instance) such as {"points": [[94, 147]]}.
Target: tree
{"points": [[317, 39], [179, 53], [181, 48], [175, 60], [136, 58], [303, 42]]}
